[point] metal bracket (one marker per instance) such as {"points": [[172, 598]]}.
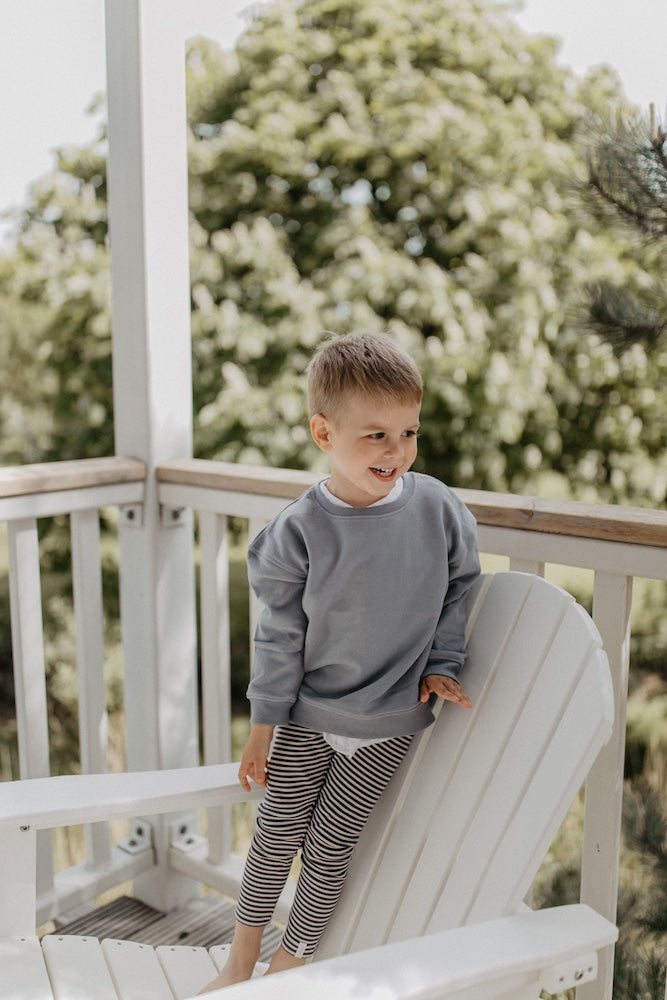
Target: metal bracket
{"points": [[132, 515], [171, 517], [184, 837], [568, 974], [140, 839]]}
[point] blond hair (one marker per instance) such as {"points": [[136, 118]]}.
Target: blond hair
{"points": [[368, 363]]}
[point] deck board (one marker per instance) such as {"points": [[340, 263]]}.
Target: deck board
{"points": [[202, 923]]}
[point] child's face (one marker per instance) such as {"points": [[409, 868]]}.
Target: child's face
{"points": [[370, 444]]}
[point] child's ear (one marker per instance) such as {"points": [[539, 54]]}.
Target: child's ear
{"points": [[319, 428]]}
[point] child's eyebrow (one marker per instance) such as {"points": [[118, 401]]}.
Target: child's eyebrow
{"points": [[380, 427]]}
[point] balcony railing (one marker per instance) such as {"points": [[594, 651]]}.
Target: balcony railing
{"points": [[617, 544]]}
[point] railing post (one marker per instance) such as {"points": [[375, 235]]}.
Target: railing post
{"points": [[27, 626], [612, 600], [148, 206], [88, 613], [216, 667]]}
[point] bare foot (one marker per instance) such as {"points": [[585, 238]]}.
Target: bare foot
{"points": [[241, 960], [282, 960], [225, 978]]}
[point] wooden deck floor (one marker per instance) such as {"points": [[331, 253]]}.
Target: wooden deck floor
{"points": [[203, 922]]}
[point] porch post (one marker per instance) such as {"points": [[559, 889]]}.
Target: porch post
{"points": [[148, 206]]}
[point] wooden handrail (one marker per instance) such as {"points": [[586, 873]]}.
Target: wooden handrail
{"points": [[49, 477], [607, 522]]}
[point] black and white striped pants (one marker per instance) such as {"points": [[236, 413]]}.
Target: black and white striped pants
{"points": [[317, 800]]}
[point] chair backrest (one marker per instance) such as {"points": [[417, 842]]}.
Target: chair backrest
{"points": [[462, 829]]}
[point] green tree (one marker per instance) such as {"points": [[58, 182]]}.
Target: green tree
{"points": [[55, 326], [411, 167], [408, 166]]}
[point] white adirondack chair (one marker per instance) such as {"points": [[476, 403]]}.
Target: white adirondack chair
{"points": [[433, 906]]}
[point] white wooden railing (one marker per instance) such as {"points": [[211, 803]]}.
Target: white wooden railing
{"points": [[617, 544]]}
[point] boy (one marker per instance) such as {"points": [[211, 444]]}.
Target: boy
{"points": [[363, 581]]}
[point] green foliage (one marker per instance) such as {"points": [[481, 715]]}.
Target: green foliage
{"points": [[408, 166], [412, 167], [55, 327]]}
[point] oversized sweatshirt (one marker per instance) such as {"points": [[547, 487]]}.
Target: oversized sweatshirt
{"points": [[359, 604]]}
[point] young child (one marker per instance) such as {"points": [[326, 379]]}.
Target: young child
{"points": [[363, 581]]}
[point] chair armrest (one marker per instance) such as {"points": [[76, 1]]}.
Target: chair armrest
{"points": [[552, 948], [66, 800]]}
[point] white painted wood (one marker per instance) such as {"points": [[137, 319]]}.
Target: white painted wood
{"points": [[220, 501], [18, 879], [66, 501], [23, 974], [612, 601], [527, 566], [459, 833], [28, 648], [136, 971], [32, 722], [508, 958], [89, 623], [65, 800], [187, 969], [219, 954], [611, 557], [79, 884], [463, 839], [148, 207], [77, 968], [216, 666], [529, 514]]}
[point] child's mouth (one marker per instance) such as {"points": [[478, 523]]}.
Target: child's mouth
{"points": [[383, 473]]}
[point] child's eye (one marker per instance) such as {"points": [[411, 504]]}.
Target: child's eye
{"points": [[377, 436], [412, 434]]}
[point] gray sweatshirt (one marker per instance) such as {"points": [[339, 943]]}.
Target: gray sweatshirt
{"points": [[360, 603]]}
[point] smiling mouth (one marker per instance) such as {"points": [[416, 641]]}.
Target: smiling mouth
{"points": [[383, 473]]}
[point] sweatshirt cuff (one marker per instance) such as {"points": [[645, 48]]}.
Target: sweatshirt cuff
{"points": [[441, 670], [269, 713]]}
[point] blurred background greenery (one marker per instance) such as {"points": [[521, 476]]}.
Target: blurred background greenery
{"points": [[425, 169]]}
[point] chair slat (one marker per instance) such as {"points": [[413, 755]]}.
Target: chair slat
{"points": [[136, 971], [457, 764], [23, 974], [520, 784], [441, 833], [562, 769], [219, 954], [77, 968], [187, 969]]}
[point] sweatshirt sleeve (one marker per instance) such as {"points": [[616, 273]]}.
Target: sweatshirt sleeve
{"points": [[277, 575], [448, 654]]}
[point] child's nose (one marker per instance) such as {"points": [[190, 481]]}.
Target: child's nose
{"points": [[394, 449]]}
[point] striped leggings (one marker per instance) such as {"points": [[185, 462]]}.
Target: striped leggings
{"points": [[317, 800]]}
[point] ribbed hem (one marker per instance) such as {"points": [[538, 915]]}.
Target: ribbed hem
{"points": [[363, 727], [265, 712]]}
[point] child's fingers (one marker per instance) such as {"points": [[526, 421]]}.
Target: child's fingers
{"points": [[253, 770], [444, 687]]}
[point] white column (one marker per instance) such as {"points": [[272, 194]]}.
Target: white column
{"points": [[147, 177]]}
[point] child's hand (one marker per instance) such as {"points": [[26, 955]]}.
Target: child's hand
{"points": [[255, 756], [444, 687]]}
